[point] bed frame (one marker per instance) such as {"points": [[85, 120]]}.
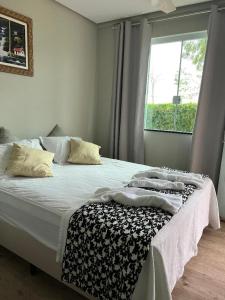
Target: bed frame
{"points": [[44, 258], [153, 282], [34, 252]]}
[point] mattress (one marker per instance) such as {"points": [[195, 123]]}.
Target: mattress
{"points": [[38, 205]]}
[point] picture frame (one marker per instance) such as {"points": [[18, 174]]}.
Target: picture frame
{"points": [[16, 43]]}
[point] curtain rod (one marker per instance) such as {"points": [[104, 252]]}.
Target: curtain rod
{"points": [[161, 19]]}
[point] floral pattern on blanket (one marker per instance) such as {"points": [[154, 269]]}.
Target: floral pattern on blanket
{"points": [[107, 245]]}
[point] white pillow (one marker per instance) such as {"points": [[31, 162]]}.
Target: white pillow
{"points": [[32, 143], [5, 151], [58, 145]]}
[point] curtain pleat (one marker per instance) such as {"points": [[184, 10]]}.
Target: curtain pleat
{"points": [[129, 91], [209, 128]]}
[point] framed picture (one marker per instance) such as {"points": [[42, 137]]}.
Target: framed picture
{"points": [[16, 43]]}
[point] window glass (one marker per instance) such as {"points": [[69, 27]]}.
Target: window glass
{"points": [[174, 81]]}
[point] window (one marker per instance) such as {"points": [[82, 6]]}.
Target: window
{"points": [[174, 79]]}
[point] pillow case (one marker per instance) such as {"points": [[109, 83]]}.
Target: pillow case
{"points": [[5, 151], [32, 143], [82, 152], [58, 145], [29, 162]]}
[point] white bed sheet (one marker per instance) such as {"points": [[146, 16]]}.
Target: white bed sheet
{"points": [[176, 243], [39, 205]]}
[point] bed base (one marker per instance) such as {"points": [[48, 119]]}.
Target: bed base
{"points": [[35, 253], [44, 258], [158, 276]]}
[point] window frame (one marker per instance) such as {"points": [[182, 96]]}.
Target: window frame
{"points": [[169, 39]]}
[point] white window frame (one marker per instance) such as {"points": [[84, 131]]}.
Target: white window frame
{"points": [[179, 37]]}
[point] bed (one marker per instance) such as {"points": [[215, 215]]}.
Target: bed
{"points": [[34, 213]]}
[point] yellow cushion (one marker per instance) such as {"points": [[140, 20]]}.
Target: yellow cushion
{"points": [[82, 152], [29, 162]]}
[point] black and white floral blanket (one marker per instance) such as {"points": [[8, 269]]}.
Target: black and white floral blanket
{"points": [[107, 245]]}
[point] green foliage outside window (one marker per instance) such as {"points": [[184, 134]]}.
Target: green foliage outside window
{"points": [[170, 117], [196, 51]]}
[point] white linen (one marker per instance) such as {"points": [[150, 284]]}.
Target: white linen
{"points": [[5, 151], [158, 184], [60, 146], [170, 175], [36, 221], [177, 242], [140, 197], [40, 205], [53, 199]]}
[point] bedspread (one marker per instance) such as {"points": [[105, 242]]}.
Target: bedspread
{"points": [[107, 246]]}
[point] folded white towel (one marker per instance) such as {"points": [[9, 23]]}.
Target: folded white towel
{"points": [[170, 175], [158, 184], [139, 197]]}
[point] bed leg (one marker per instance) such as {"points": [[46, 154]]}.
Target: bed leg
{"points": [[33, 270]]}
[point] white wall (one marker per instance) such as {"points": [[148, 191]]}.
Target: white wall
{"points": [[167, 149], [63, 89], [161, 149]]}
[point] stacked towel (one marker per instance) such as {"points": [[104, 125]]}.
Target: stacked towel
{"points": [[174, 176], [140, 197], [137, 194], [158, 184]]}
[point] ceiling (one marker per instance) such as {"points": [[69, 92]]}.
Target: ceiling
{"points": [[100, 11]]}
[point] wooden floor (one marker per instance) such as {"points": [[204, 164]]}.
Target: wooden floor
{"points": [[204, 277]]}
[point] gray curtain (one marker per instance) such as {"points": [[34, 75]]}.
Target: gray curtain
{"points": [[129, 91], [209, 128]]}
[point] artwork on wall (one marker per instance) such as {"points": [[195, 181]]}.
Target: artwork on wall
{"points": [[16, 45]]}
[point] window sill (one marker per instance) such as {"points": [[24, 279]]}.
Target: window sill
{"points": [[169, 131]]}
